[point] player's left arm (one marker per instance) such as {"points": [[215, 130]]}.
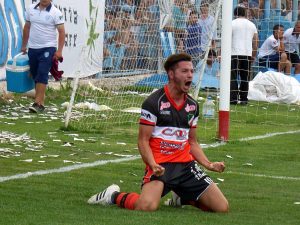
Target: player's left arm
{"points": [[61, 41], [200, 156]]}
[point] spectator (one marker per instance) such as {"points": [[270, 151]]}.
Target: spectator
{"points": [[291, 41], [272, 52], [206, 22], [244, 47], [179, 13], [40, 33], [193, 40]]}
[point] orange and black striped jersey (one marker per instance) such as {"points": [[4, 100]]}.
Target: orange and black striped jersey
{"points": [[172, 123]]}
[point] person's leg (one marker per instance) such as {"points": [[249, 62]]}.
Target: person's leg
{"points": [[245, 66], [148, 200], [233, 80], [45, 63], [150, 196], [284, 64], [213, 200]]}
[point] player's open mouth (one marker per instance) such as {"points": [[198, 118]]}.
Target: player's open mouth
{"points": [[188, 83]]}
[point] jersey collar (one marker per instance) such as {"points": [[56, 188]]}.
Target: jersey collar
{"points": [[47, 9], [177, 107]]}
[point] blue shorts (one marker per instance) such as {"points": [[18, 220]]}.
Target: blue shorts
{"points": [[40, 62], [270, 61]]}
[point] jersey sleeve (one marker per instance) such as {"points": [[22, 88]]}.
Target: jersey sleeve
{"points": [[27, 14], [148, 113], [59, 18]]}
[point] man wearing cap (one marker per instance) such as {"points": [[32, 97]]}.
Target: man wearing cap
{"points": [[42, 21], [167, 142]]}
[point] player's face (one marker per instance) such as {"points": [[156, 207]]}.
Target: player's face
{"points": [[183, 76]]}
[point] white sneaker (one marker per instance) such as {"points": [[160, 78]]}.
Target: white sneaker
{"points": [[104, 197], [175, 201]]}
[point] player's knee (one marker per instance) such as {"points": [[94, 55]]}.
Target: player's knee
{"points": [[283, 57], [223, 207]]}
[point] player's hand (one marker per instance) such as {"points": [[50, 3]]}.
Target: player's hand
{"points": [[158, 170], [217, 166], [24, 50], [57, 55]]}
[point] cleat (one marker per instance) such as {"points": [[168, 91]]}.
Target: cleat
{"points": [[104, 197], [175, 201], [36, 108]]}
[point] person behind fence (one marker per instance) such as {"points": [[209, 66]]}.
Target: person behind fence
{"points": [[243, 52], [291, 41], [206, 22], [272, 52], [167, 142], [42, 21], [193, 39]]}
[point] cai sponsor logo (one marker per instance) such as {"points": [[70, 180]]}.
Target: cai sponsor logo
{"points": [[190, 108], [165, 105], [177, 133]]}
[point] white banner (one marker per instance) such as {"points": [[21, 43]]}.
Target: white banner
{"points": [[84, 25]]}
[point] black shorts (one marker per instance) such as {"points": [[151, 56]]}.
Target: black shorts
{"points": [[187, 180], [293, 57]]}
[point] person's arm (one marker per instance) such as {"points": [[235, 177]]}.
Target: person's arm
{"points": [[199, 155], [254, 45], [145, 133], [26, 31], [281, 45], [61, 41]]}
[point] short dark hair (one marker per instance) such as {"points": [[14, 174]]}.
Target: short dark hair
{"points": [[172, 60], [276, 27], [239, 11]]}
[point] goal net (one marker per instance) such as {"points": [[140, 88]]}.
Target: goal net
{"points": [[138, 37]]}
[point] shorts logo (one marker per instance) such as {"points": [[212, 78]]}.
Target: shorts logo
{"points": [[190, 108], [46, 54], [165, 105]]}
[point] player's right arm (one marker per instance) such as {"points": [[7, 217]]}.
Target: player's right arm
{"points": [[145, 133], [26, 31]]}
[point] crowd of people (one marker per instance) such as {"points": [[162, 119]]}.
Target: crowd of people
{"points": [[132, 38]]}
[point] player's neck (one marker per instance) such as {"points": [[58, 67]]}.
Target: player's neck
{"points": [[177, 95]]}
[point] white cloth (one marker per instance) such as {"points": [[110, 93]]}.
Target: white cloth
{"points": [[269, 47], [291, 42], [274, 87], [243, 31], [43, 26]]}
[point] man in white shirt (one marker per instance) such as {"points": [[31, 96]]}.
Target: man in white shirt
{"points": [[243, 51], [42, 21], [291, 41], [272, 52]]}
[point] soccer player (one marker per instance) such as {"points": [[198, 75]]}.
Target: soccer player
{"points": [[167, 142]]}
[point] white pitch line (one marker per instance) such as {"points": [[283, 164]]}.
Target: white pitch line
{"points": [[66, 169], [103, 162], [264, 176]]}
